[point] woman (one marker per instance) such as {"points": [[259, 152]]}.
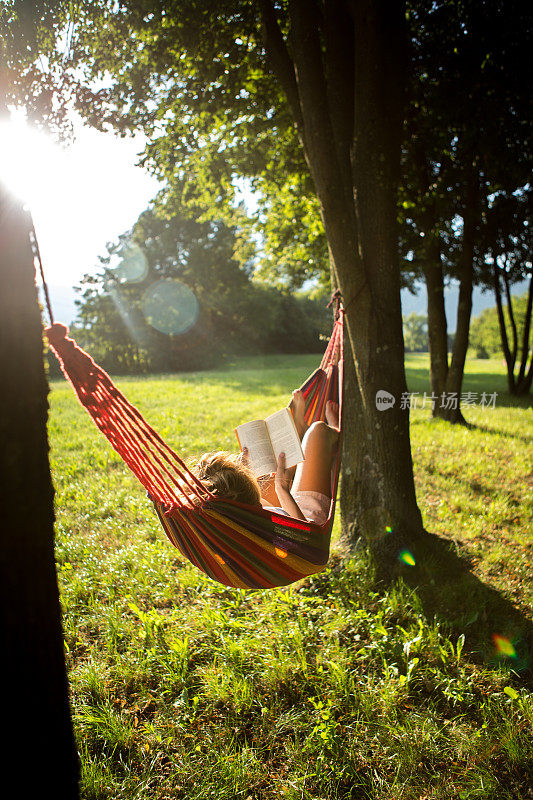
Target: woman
{"points": [[303, 492]]}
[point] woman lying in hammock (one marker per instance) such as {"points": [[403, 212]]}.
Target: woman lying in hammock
{"points": [[303, 492]]}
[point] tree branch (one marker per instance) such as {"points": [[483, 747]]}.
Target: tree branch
{"points": [[339, 72], [280, 61]]}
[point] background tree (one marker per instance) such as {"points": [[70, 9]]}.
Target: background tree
{"points": [[486, 336], [508, 260], [415, 333], [236, 316], [467, 137]]}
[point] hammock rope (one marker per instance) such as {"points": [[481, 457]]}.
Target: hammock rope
{"points": [[159, 469], [233, 543]]}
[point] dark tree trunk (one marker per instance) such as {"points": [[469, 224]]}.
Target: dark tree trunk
{"points": [[387, 511], [523, 382], [449, 407], [347, 104], [38, 750], [437, 324], [514, 351], [503, 328], [524, 387]]}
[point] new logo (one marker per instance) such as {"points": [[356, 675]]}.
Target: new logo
{"points": [[384, 400]]}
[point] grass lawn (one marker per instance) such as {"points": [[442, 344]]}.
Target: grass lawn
{"points": [[332, 688]]}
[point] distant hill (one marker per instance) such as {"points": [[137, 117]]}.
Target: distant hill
{"points": [[480, 301], [63, 297]]}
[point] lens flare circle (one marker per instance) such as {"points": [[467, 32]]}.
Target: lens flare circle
{"points": [[504, 646], [133, 265], [170, 307], [407, 558]]}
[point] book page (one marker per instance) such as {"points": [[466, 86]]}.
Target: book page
{"points": [[254, 436], [284, 437]]}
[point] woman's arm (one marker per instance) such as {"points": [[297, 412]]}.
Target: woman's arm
{"points": [[283, 485]]}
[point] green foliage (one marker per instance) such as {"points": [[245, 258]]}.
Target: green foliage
{"points": [[485, 335], [195, 78], [468, 115], [293, 242], [36, 54], [415, 333], [182, 688], [236, 315], [198, 85]]}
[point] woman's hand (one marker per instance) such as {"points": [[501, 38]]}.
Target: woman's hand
{"points": [[283, 483], [283, 478]]}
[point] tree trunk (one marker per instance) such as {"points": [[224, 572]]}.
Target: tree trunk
{"points": [[437, 324], [387, 511], [524, 386], [503, 329], [523, 381], [38, 750], [514, 351], [449, 407], [346, 95]]}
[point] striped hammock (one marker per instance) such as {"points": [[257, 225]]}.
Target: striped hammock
{"points": [[235, 544]]}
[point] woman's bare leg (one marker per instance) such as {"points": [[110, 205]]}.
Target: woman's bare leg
{"points": [[297, 407], [319, 445]]}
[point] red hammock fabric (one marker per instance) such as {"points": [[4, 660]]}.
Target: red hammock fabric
{"points": [[235, 544], [160, 470]]}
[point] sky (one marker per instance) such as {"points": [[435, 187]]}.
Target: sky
{"points": [[81, 196]]}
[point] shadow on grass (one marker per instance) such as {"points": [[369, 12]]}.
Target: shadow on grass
{"points": [[501, 433], [496, 633]]}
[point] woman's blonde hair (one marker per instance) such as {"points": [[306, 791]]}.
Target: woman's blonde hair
{"points": [[225, 475]]}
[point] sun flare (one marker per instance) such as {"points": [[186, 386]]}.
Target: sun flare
{"points": [[30, 162], [81, 196]]}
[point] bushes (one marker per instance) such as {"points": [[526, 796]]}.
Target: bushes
{"points": [[235, 314]]}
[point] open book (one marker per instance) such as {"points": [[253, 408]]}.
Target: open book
{"points": [[267, 438]]}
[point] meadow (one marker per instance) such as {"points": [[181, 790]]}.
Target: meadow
{"points": [[336, 687]]}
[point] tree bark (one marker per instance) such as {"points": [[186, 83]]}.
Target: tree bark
{"points": [[387, 511], [437, 323], [449, 407], [503, 329], [523, 382], [39, 749], [378, 498], [524, 386]]}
